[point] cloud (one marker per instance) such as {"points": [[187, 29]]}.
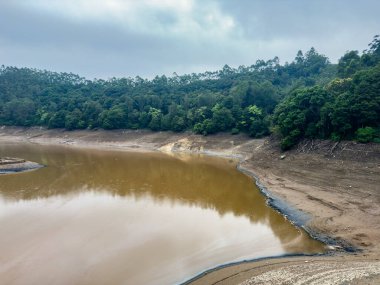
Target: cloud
{"points": [[331, 26], [165, 18], [99, 38]]}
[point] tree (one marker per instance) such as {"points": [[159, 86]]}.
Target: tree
{"points": [[155, 116], [73, 120], [57, 120], [359, 105], [20, 112], [299, 58], [91, 112], [254, 122], [114, 118], [309, 97], [299, 115], [349, 64], [365, 135], [222, 118]]}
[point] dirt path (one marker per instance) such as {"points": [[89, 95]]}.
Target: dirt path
{"points": [[338, 184]]}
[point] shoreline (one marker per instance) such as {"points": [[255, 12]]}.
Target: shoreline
{"points": [[282, 181], [299, 219]]}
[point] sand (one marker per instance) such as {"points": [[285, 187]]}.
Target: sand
{"points": [[336, 184]]}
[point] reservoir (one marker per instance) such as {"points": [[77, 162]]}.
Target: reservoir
{"points": [[112, 217]]}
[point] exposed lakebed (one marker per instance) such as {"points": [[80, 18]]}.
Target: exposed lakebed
{"points": [[107, 217]]}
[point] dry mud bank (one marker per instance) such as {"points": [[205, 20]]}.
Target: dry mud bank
{"points": [[336, 184]]}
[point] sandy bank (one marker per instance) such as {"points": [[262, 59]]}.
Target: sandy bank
{"points": [[13, 165], [337, 184]]}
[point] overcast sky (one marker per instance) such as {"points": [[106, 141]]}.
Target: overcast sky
{"points": [[106, 38]]}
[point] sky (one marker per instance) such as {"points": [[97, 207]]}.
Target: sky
{"points": [[126, 38]]}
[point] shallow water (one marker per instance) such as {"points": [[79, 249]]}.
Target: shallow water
{"points": [[108, 217]]}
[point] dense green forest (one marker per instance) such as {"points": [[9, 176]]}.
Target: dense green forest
{"points": [[309, 97]]}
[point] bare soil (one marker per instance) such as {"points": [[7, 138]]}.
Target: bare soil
{"points": [[337, 184]]}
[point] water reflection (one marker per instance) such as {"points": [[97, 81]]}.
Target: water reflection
{"points": [[103, 217]]}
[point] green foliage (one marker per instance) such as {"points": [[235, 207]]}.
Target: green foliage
{"points": [[358, 105], [114, 118], [198, 128], [155, 116], [309, 97], [178, 124], [255, 122], [20, 111], [301, 114], [235, 131], [73, 120], [205, 128], [365, 135], [221, 118], [349, 64], [290, 140], [57, 120], [335, 137]]}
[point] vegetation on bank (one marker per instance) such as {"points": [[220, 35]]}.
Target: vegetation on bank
{"points": [[309, 97]]}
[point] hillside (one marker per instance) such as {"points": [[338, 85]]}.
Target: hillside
{"points": [[307, 98]]}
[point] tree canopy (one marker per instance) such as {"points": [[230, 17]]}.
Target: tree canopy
{"points": [[309, 97]]}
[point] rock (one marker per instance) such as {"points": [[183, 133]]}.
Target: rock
{"points": [[283, 156], [10, 160], [13, 165]]}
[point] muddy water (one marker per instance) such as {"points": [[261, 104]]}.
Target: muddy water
{"points": [[104, 217]]}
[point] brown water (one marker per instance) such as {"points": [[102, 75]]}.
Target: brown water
{"points": [[105, 217]]}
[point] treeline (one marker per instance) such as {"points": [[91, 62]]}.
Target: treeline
{"points": [[309, 97], [347, 107]]}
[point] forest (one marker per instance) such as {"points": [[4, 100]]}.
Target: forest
{"points": [[307, 98]]}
